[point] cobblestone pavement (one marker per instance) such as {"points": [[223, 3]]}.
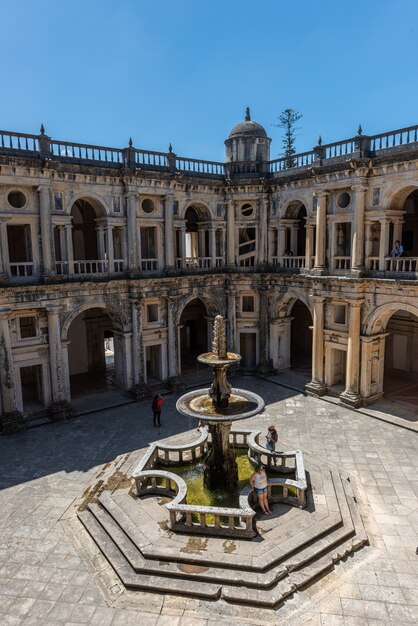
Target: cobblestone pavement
{"points": [[44, 580]]}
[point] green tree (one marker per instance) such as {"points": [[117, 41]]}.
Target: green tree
{"points": [[288, 120]]}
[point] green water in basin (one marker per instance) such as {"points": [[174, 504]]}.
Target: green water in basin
{"points": [[197, 494]]}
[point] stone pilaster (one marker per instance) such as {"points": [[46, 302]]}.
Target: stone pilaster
{"points": [[10, 419], [132, 234], [317, 385], [46, 228], [357, 234], [321, 227], [169, 232], [265, 365], [140, 388], [230, 234], [384, 242], [231, 304], [173, 344], [60, 407], [351, 395]]}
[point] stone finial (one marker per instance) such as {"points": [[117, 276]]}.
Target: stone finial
{"points": [[170, 148], [130, 143], [42, 129], [219, 341], [359, 130], [319, 140], [247, 115]]}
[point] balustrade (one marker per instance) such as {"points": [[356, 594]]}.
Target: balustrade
{"points": [[401, 264], [97, 266], [21, 270], [41, 145], [373, 263], [342, 262], [149, 265]]}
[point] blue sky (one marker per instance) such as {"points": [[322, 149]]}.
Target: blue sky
{"points": [[99, 71]]}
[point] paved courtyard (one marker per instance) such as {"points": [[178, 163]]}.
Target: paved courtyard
{"points": [[45, 580]]}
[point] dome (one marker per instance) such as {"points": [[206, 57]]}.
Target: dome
{"points": [[248, 128]]}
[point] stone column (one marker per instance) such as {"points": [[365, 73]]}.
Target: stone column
{"points": [[262, 248], [270, 246], [264, 366], [294, 239], [110, 251], [132, 234], [139, 388], [397, 231], [282, 240], [230, 234], [172, 343], [369, 244], [168, 232], [231, 340], [213, 245], [351, 395], [283, 341], [63, 251], [46, 229], [11, 419], [70, 250], [321, 227], [201, 252], [60, 407], [4, 260], [357, 234], [308, 245], [101, 242], [384, 242], [183, 246], [317, 385]]}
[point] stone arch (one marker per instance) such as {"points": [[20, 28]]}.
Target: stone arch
{"points": [[113, 312], [398, 193], [291, 207], [202, 209], [377, 321], [282, 306], [212, 306], [99, 204]]}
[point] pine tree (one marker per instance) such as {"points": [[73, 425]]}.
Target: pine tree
{"points": [[287, 120]]}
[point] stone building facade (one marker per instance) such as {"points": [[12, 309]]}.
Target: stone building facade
{"points": [[142, 249]]}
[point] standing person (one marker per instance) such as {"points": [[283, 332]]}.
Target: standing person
{"points": [[271, 438], [398, 249], [258, 483], [157, 405]]}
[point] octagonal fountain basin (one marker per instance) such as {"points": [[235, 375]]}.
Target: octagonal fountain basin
{"points": [[199, 404]]}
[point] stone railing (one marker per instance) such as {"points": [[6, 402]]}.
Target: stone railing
{"points": [[401, 264], [21, 270], [42, 146], [281, 489], [342, 262], [230, 522]]}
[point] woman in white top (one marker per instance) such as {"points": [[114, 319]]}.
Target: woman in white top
{"points": [[258, 483]]}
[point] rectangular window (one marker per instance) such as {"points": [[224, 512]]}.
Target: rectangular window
{"points": [[340, 312], [18, 238], [58, 201], [152, 313], [148, 243], [116, 205], [248, 304], [27, 326]]}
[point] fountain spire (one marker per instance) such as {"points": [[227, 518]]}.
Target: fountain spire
{"points": [[219, 341]]}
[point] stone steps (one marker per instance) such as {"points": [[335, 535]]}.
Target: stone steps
{"points": [[177, 569], [143, 552], [145, 582]]}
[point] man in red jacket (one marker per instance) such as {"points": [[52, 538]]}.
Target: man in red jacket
{"points": [[157, 405]]}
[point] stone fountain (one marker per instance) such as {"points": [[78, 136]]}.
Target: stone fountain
{"points": [[219, 406]]}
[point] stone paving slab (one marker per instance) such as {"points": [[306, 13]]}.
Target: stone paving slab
{"points": [[44, 469]]}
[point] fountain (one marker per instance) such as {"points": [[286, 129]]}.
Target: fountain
{"points": [[219, 406]]}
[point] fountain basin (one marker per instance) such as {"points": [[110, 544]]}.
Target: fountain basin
{"points": [[208, 358], [241, 404]]}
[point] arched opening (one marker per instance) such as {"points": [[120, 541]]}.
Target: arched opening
{"points": [[197, 249], [295, 233], [193, 334], [93, 353], [400, 380], [90, 246], [301, 339], [410, 226]]}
